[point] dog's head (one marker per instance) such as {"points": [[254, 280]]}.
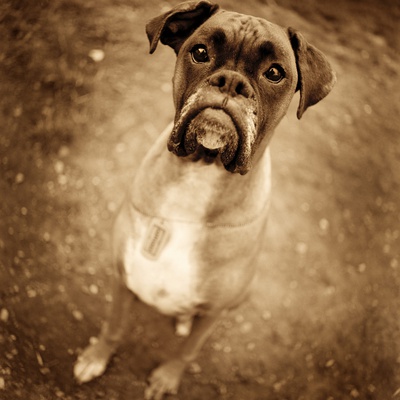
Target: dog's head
{"points": [[234, 79]]}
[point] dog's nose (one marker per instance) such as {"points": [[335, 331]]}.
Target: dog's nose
{"points": [[232, 83]]}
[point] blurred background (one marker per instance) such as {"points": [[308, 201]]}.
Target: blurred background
{"points": [[82, 101]]}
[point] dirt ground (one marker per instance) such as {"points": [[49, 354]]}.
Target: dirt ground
{"points": [[81, 102]]}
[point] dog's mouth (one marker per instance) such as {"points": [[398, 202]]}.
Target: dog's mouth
{"points": [[212, 128], [211, 133]]}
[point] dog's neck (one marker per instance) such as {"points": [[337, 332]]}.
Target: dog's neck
{"points": [[177, 188]]}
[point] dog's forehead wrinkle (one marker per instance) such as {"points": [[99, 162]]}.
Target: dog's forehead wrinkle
{"points": [[266, 48], [254, 36], [219, 36]]}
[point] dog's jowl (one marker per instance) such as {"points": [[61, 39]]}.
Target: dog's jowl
{"points": [[187, 234]]}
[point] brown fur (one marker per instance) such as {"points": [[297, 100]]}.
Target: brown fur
{"points": [[187, 235]]}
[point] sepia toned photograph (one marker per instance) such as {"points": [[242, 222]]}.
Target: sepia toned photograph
{"points": [[199, 200]]}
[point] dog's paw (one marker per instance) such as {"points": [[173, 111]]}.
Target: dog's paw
{"points": [[183, 326], [92, 362], [165, 380]]}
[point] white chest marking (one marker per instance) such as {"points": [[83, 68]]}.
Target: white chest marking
{"points": [[168, 281]]}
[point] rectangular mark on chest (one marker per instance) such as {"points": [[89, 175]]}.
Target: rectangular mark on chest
{"points": [[156, 238]]}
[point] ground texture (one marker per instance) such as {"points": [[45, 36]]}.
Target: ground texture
{"points": [[81, 101]]}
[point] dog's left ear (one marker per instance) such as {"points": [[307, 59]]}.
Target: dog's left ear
{"points": [[316, 77], [176, 25]]}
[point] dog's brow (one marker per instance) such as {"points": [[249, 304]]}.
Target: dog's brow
{"points": [[219, 37], [267, 49]]}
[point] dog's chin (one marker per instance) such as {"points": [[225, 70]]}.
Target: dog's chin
{"points": [[210, 134]]}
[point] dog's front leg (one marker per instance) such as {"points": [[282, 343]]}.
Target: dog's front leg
{"points": [[94, 359], [166, 378]]}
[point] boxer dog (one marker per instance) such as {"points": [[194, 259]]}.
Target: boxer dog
{"points": [[186, 238]]}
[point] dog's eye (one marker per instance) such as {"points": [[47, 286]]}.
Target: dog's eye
{"points": [[275, 74], [199, 54]]}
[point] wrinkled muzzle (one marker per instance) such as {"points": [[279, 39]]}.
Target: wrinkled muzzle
{"points": [[214, 131], [215, 125]]}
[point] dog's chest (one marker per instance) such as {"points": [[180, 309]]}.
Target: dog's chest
{"points": [[160, 265]]}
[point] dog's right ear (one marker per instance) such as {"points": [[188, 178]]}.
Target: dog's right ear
{"points": [[175, 26]]}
